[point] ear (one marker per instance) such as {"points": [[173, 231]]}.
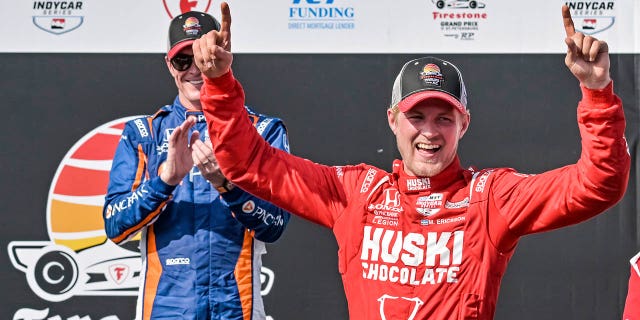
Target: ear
{"points": [[392, 118], [168, 62], [466, 120]]}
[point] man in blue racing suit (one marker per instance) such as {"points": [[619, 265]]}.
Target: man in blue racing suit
{"points": [[201, 237]]}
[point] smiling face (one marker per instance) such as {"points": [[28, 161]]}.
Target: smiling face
{"points": [[188, 82], [427, 136]]}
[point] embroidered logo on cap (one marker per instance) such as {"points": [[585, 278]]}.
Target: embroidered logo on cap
{"points": [[192, 26], [431, 75]]}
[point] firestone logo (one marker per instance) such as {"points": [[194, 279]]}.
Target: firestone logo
{"points": [[177, 7], [459, 19]]}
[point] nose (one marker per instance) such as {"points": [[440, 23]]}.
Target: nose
{"points": [[193, 68], [429, 129]]}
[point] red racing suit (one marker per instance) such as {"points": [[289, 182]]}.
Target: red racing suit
{"points": [[416, 247], [632, 304]]}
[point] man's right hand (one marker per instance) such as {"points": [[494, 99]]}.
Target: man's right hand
{"points": [[212, 52], [179, 161]]}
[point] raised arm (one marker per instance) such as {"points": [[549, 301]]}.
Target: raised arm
{"points": [[598, 180], [313, 191]]}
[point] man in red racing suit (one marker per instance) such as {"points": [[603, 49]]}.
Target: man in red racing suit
{"points": [[430, 240]]}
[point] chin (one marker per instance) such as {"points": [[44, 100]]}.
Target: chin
{"points": [[427, 171]]}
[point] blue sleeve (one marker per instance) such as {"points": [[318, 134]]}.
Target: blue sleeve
{"points": [[265, 219], [132, 201]]}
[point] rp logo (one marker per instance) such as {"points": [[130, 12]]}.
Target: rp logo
{"points": [[178, 7]]}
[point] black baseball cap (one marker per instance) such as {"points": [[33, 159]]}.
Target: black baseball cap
{"points": [[187, 27], [429, 78]]}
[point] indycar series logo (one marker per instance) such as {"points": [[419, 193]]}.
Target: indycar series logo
{"points": [[591, 17], [58, 17]]}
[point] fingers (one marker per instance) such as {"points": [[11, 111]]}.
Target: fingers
{"points": [[225, 28], [195, 136], [597, 48], [569, 29], [182, 132], [202, 154], [584, 47]]}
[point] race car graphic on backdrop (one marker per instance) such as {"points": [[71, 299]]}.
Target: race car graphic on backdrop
{"points": [[78, 259]]}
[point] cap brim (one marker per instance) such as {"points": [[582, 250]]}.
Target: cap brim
{"points": [[178, 47], [409, 102]]}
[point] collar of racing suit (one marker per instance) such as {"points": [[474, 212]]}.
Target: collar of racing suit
{"points": [[411, 184]]}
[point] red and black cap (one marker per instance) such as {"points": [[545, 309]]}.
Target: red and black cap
{"points": [[187, 27], [429, 78]]}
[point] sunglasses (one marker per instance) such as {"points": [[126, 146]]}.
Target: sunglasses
{"points": [[182, 62]]}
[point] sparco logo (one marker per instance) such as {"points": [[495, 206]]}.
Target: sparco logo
{"points": [[591, 17], [482, 181], [141, 128], [368, 179], [57, 17], [177, 7]]}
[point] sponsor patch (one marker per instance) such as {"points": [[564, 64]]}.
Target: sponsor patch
{"points": [[431, 75], [177, 261], [366, 184], [141, 128], [457, 205], [418, 184], [482, 181]]}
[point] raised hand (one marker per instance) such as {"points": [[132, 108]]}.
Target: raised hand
{"points": [[587, 57], [212, 52], [179, 161]]}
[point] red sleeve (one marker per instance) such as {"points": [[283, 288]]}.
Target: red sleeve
{"points": [[574, 193], [632, 305], [315, 192]]}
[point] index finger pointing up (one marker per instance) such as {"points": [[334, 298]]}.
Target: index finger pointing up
{"points": [[225, 28], [568, 22]]}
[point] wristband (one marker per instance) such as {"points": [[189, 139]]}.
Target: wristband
{"points": [[226, 186]]}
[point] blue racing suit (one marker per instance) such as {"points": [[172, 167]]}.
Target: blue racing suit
{"points": [[201, 249]]}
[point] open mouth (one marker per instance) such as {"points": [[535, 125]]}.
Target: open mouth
{"points": [[195, 82], [428, 148]]}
